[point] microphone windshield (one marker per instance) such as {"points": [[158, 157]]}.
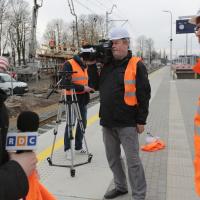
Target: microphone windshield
{"points": [[28, 121]]}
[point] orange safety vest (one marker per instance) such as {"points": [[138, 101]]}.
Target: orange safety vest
{"points": [[130, 82], [80, 78], [36, 190], [197, 149]]}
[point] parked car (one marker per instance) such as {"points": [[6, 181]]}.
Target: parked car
{"points": [[6, 82]]}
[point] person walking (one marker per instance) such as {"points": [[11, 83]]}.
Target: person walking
{"points": [[196, 20]]}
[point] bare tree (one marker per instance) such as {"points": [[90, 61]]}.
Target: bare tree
{"points": [[3, 13], [20, 27], [149, 48], [140, 48], [58, 31], [92, 28]]}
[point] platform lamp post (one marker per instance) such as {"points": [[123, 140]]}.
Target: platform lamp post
{"points": [[171, 39]]}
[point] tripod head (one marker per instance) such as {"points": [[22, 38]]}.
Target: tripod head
{"points": [[65, 81]]}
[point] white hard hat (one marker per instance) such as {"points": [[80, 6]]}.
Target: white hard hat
{"points": [[193, 20], [118, 33]]}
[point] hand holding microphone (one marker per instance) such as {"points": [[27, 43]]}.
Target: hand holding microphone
{"points": [[27, 161], [21, 145]]}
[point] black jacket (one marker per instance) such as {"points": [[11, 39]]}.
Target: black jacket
{"points": [[13, 180], [114, 112], [4, 123]]}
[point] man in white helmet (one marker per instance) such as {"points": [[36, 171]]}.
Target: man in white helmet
{"points": [[124, 101]]}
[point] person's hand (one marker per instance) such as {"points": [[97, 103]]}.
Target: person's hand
{"points": [[88, 89], [140, 128], [27, 160]]}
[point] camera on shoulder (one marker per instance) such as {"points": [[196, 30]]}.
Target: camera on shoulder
{"points": [[101, 52]]}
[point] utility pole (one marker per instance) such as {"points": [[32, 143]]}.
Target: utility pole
{"points": [[107, 20], [73, 30], [32, 46], [58, 34], [71, 6], [171, 39]]}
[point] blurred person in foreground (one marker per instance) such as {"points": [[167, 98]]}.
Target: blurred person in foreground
{"points": [[196, 21], [14, 168]]}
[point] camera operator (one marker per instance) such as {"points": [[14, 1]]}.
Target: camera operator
{"points": [[13, 172], [82, 89], [124, 101]]}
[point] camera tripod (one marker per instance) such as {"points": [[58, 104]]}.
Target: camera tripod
{"points": [[73, 119]]}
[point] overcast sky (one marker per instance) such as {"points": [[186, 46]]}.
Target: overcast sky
{"points": [[145, 17]]}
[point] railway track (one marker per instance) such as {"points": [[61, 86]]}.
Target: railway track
{"points": [[48, 119]]}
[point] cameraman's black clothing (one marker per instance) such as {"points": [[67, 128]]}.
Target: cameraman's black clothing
{"points": [[83, 99], [13, 180], [114, 112]]}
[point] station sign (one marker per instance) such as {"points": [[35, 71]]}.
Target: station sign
{"points": [[183, 26]]}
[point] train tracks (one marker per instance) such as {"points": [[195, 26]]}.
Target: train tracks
{"points": [[48, 119]]}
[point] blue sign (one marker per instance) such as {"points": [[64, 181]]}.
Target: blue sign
{"points": [[183, 26]]}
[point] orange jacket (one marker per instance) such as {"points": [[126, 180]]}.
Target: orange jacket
{"points": [[196, 68], [197, 149], [80, 78], [36, 190], [130, 81]]}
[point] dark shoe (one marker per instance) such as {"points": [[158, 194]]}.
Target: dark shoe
{"points": [[114, 193]]}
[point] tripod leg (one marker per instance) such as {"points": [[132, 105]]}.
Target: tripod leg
{"points": [[69, 125], [79, 119], [55, 131]]}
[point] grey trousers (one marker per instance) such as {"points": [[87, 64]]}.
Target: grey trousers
{"points": [[128, 138]]}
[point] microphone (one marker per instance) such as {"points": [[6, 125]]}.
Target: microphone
{"points": [[27, 137]]}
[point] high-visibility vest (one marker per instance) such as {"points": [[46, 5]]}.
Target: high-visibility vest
{"points": [[197, 149], [36, 190], [130, 82], [80, 78]]}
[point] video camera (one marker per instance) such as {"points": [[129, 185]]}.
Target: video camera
{"points": [[101, 52]]}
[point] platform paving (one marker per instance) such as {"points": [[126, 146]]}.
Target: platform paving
{"points": [[169, 172]]}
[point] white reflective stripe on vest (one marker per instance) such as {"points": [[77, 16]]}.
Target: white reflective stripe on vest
{"points": [[129, 94], [129, 81], [198, 110], [197, 129], [79, 78]]}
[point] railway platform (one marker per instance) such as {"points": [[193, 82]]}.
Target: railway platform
{"points": [[169, 172]]}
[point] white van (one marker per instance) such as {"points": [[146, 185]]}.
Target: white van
{"points": [[6, 82]]}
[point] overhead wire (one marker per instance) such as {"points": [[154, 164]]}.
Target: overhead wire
{"points": [[89, 9]]}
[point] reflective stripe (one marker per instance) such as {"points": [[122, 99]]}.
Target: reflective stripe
{"points": [[79, 78], [129, 94], [197, 129], [129, 81], [198, 110]]}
